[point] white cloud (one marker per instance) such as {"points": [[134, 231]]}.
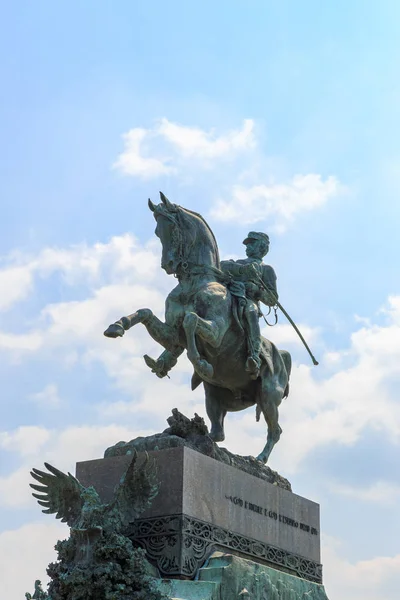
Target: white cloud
{"points": [[284, 334], [72, 332], [283, 201], [25, 554], [132, 162], [86, 442], [48, 397], [377, 578], [197, 143], [59, 447], [21, 342], [122, 256], [170, 148], [122, 262], [142, 156], [380, 492], [26, 441], [155, 396], [15, 285], [14, 489]]}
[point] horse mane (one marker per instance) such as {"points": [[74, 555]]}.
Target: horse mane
{"points": [[208, 228]]}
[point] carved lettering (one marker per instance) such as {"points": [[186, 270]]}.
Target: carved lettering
{"points": [[271, 514], [255, 508], [235, 500]]}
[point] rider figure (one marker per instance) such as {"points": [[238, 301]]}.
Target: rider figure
{"points": [[250, 292]]}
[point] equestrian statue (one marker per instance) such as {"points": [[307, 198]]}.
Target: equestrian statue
{"points": [[213, 313]]}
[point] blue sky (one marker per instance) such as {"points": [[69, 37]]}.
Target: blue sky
{"points": [[280, 117]]}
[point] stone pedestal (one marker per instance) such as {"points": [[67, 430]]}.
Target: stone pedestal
{"points": [[204, 505]]}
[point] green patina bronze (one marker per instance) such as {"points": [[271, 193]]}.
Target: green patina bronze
{"points": [[213, 314], [39, 593], [250, 293], [98, 561], [228, 577]]}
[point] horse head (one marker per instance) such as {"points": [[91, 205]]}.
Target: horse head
{"points": [[185, 237]]}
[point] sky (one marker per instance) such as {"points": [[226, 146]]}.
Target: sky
{"points": [[279, 117]]}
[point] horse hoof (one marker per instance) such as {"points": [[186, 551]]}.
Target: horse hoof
{"points": [[262, 458], [218, 436], [204, 369], [114, 331]]}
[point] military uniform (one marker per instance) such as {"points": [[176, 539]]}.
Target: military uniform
{"points": [[250, 292]]}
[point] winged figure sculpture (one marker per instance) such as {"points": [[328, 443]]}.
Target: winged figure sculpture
{"points": [[81, 507]]}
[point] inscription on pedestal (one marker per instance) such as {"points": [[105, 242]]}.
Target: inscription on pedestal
{"points": [[271, 514]]}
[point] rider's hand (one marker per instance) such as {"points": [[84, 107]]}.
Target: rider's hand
{"points": [[251, 289], [237, 288]]}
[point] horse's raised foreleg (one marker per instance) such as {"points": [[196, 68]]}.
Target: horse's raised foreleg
{"points": [[164, 334], [210, 332]]}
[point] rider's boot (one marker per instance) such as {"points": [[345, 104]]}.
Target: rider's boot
{"points": [[253, 365]]}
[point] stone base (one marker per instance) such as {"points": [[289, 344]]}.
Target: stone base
{"points": [[204, 505], [228, 577]]}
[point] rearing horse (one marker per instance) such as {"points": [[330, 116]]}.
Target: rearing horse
{"points": [[200, 317]]}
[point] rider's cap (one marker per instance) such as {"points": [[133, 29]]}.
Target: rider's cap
{"points": [[256, 235]]}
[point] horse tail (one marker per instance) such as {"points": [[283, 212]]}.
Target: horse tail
{"points": [[287, 361]]}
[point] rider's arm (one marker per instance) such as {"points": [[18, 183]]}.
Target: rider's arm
{"points": [[233, 267], [226, 265], [269, 279]]}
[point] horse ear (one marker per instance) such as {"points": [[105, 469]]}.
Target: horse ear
{"points": [[166, 202], [151, 206]]}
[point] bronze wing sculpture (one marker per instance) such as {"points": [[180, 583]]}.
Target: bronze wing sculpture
{"points": [[98, 556], [59, 493], [81, 507]]}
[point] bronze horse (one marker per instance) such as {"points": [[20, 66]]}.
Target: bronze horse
{"points": [[200, 317]]}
